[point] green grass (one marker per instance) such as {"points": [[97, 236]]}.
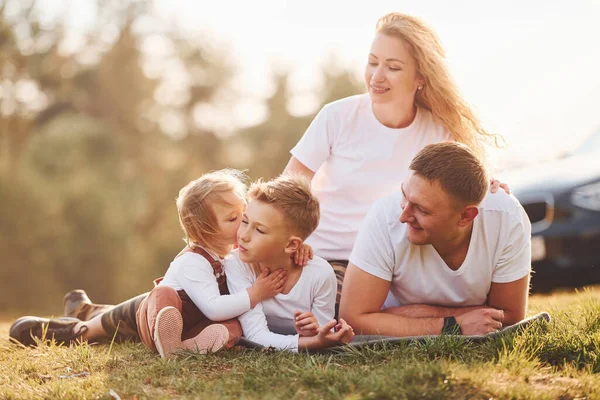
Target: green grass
{"points": [[559, 360]]}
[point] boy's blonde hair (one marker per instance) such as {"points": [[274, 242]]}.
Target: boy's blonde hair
{"points": [[456, 168], [196, 216], [291, 195]]}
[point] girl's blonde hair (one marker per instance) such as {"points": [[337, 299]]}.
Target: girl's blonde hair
{"points": [[439, 93], [197, 217]]}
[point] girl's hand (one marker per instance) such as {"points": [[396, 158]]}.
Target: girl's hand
{"points": [[496, 184], [302, 255], [266, 286], [306, 323]]}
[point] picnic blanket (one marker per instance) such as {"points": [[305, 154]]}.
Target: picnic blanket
{"points": [[374, 340]]}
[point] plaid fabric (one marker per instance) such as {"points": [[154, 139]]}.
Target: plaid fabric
{"points": [[87, 311], [121, 319], [339, 267]]}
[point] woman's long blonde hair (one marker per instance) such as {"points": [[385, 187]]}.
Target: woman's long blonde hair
{"points": [[439, 93]]}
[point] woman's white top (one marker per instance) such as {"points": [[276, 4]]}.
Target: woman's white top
{"points": [[356, 161]]}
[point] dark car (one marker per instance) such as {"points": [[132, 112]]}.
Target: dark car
{"points": [[562, 200]]}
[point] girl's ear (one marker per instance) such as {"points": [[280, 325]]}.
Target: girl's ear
{"points": [[293, 244]]}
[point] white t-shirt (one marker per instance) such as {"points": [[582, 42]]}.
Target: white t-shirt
{"points": [[499, 251], [193, 273], [271, 323], [356, 161]]}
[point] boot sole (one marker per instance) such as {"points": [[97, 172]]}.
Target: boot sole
{"points": [[211, 339], [167, 332]]}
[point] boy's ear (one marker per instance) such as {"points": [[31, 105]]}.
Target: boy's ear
{"points": [[294, 244]]}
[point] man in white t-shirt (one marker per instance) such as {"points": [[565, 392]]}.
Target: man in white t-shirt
{"points": [[440, 256]]}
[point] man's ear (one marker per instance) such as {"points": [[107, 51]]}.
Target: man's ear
{"points": [[467, 215], [294, 244]]}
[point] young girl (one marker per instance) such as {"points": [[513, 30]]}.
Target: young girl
{"points": [[180, 312]]}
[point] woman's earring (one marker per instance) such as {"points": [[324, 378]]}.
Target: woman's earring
{"points": [[420, 88]]}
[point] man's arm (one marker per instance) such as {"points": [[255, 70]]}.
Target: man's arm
{"points": [[363, 295], [511, 297], [510, 279], [430, 311]]}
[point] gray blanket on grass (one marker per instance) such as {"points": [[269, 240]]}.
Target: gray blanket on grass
{"points": [[374, 340]]}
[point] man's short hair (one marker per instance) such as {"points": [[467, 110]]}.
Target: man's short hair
{"points": [[455, 168], [290, 194]]}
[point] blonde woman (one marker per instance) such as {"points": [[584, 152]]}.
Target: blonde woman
{"points": [[358, 149]]}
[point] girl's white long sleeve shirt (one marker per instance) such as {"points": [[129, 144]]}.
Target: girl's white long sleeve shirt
{"points": [[193, 273]]}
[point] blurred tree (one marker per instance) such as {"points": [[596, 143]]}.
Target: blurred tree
{"points": [[264, 148], [99, 132], [95, 143], [338, 81]]}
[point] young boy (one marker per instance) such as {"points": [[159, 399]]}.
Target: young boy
{"points": [[280, 215]]}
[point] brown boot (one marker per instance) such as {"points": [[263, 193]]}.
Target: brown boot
{"points": [[78, 305], [30, 330]]}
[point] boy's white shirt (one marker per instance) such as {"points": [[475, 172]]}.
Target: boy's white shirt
{"points": [[499, 251], [193, 273], [271, 323]]}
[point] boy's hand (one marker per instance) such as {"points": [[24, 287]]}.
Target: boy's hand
{"points": [[266, 286], [306, 323], [328, 337], [348, 331], [302, 255]]}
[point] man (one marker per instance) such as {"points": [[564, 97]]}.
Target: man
{"points": [[453, 259]]}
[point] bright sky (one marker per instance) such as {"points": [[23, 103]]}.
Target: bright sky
{"points": [[531, 68]]}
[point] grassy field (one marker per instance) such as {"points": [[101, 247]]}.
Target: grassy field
{"points": [[559, 360]]}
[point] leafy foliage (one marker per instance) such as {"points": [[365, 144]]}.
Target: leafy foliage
{"points": [[97, 138]]}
